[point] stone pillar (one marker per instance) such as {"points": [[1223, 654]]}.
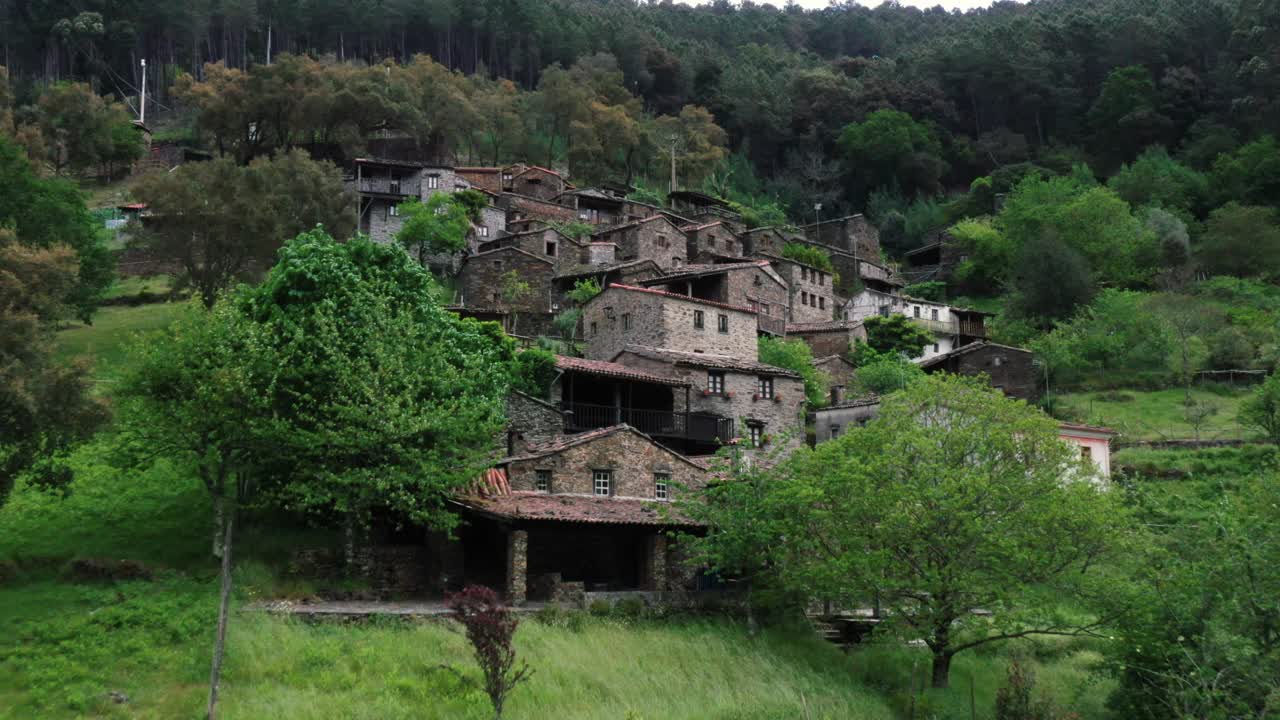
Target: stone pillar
{"points": [[655, 553], [517, 566]]}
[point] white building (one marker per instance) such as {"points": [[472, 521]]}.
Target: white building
{"points": [[952, 327]]}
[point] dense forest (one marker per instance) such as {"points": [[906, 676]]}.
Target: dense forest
{"points": [[1054, 81]]}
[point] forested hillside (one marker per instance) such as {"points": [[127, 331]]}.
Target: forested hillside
{"points": [[1053, 81]]}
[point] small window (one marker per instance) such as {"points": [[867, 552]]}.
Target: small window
{"points": [[542, 481], [933, 314], [711, 241], [393, 210], [497, 298], [822, 303], [675, 261], [916, 309], [835, 431], [433, 182], [662, 241], [699, 320], [723, 324], [935, 347], [884, 311], [602, 482], [715, 382], [626, 321], [483, 230], [497, 264], [661, 481], [593, 329], [804, 274], [551, 249], [1086, 453], [998, 361], [441, 210], [764, 387], [756, 435], [822, 278], [804, 298]]}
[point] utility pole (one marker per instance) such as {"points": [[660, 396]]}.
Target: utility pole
{"points": [[817, 217], [673, 163], [142, 105]]}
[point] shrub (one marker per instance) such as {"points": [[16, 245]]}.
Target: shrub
{"points": [[584, 290], [808, 255], [600, 608], [490, 626], [534, 372], [631, 607]]}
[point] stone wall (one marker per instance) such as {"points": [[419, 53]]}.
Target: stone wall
{"points": [[530, 421], [520, 207], [852, 234], [812, 292], [835, 341], [482, 277], [657, 239], [763, 242], [633, 459], [708, 243], [842, 373], [617, 318], [757, 288], [538, 183], [682, 333], [834, 421], [1011, 370], [391, 571]]}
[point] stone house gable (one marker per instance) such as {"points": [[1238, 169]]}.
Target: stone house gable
{"points": [[843, 375], [548, 243], [531, 422], [762, 242], [655, 238], [538, 182], [712, 242], [482, 280], [482, 178], [753, 285], [635, 463], [833, 337], [851, 234], [1010, 369], [525, 207], [624, 314], [812, 297]]}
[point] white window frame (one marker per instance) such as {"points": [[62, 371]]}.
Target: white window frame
{"points": [[483, 230], [602, 479], [433, 182], [715, 382], [393, 210], [542, 481], [662, 486], [756, 434], [764, 387]]}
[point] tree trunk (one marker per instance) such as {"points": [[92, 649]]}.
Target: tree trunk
{"points": [[941, 670], [219, 644], [219, 526]]}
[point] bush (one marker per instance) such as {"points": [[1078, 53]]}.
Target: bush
{"points": [[490, 627], [630, 607], [534, 372], [600, 608], [808, 255]]}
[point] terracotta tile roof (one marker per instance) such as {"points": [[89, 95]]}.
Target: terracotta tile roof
{"points": [[523, 505], [614, 370], [695, 227], [540, 169], [678, 296], [707, 360], [829, 326]]}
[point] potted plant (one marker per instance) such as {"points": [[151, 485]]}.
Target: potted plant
{"points": [[729, 394], [755, 397], [706, 393], [777, 397]]}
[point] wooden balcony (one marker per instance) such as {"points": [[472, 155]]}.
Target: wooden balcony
{"points": [[699, 427], [771, 325], [387, 186], [963, 328]]}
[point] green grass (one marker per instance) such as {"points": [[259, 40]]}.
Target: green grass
{"points": [[130, 285], [105, 343], [1158, 414]]}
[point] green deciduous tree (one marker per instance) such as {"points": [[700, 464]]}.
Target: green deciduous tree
{"points": [[436, 227], [897, 334], [796, 356], [1156, 179], [881, 373], [223, 222], [1050, 280], [1241, 240], [891, 148], [1261, 411], [954, 499]]}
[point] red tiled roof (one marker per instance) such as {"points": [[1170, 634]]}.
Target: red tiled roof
{"points": [[707, 360], [523, 505], [614, 370], [678, 296], [828, 326], [134, 206], [703, 226]]}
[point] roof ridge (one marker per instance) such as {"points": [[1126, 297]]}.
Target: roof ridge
{"points": [[678, 296]]}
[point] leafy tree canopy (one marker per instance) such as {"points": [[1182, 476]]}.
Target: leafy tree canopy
{"points": [[897, 334], [796, 356]]}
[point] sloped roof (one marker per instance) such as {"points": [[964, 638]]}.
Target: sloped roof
{"points": [[1077, 427], [524, 505], [615, 370], [706, 360], [566, 442], [866, 401], [829, 326], [677, 296], [966, 349], [507, 249], [580, 270], [833, 358], [704, 269]]}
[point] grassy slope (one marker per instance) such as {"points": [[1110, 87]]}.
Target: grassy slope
{"points": [[106, 341], [1158, 414]]}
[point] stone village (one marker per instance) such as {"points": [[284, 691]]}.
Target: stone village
{"points": [[667, 370]]}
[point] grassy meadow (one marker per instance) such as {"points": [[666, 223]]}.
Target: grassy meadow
{"points": [[1160, 414], [105, 343]]}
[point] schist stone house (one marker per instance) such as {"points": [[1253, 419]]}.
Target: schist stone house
{"points": [[655, 238], [952, 327], [833, 337], [754, 285], [1010, 369]]}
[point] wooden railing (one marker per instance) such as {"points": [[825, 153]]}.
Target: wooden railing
{"points": [[387, 186], [966, 328], [658, 423], [771, 325]]}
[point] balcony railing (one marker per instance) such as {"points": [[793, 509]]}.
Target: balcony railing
{"points": [[771, 325], [387, 186], [943, 327], [657, 423]]}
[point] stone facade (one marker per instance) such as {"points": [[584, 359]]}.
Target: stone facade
{"points": [[780, 417], [1010, 369], [635, 463], [655, 238], [622, 315], [843, 375], [755, 286], [517, 566], [537, 182], [712, 242], [812, 292], [530, 421], [852, 234], [546, 243], [951, 327], [831, 422], [523, 207], [829, 338], [483, 277], [488, 179], [763, 242]]}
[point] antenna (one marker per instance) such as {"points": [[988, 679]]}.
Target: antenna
{"points": [[142, 105]]}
